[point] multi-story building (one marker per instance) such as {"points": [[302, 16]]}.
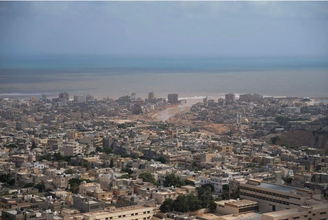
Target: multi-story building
{"points": [[173, 98], [151, 96], [230, 98], [233, 206], [64, 95], [313, 212], [80, 98], [85, 204], [71, 149], [216, 180], [273, 197], [124, 213]]}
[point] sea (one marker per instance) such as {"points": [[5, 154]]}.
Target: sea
{"points": [[115, 76]]}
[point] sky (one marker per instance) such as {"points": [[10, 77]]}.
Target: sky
{"points": [[164, 28]]}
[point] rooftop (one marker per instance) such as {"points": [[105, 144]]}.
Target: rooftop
{"points": [[282, 188]]}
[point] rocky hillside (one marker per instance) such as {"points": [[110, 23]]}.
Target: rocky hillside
{"points": [[314, 134]]}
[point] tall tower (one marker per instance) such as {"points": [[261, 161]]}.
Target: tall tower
{"points": [[151, 96]]}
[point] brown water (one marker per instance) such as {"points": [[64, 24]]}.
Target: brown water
{"points": [[171, 111]]}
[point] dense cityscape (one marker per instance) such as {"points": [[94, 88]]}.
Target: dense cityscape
{"points": [[236, 157]]}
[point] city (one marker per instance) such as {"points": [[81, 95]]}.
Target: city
{"points": [[246, 157]]}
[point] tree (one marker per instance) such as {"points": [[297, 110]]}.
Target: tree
{"points": [[75, 184], [173, 180], [69, 171], [125, 176], [205, 195], [167, 205], [225, 193], [161, 159], [212, 206], [127, 170], [181, 204], [40, 186], [194, 203], [27, 185], [147, 177], [235, 193], [11, 146], [275, 139], [33, 145], [7, 179], [111, 164]]}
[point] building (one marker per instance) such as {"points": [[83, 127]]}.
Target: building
{"points": [[79, 98], [85, 204], [124, 213], [273, 197], [64, 95], [233, 206], [216, 180], [313, 212], [133, 96], [71, 149], [230, 98], [89, 98], [173, 98], [151, 96]]}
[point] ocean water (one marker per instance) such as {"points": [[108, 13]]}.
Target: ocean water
{"points": [[193, 76]]}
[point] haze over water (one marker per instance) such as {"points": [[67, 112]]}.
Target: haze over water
{"points": [[114, 77]]}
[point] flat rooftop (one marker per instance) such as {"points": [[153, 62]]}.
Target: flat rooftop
{"points": [[246, 216], [323, 206], [285, 189]]}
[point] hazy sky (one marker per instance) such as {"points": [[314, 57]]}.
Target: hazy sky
{"points": [[164, 28]]}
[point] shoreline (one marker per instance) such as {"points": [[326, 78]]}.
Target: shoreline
{"points": [[27, 96]]}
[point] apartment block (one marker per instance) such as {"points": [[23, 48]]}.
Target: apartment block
{"points": [[273, 197]]}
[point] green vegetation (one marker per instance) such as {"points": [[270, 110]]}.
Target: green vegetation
{"points": [[75, 184], [287, 179], [105, 150], [167, 205], [127, 170], [275, 139], [235, 193], [69, 171], [7, 179], [125, 176], [27, 185], [33, 145], [11, 146], [172, 180], [186, 203], [161, 159], [111, 164], [225, 192], [55, 157], [40, 186], [147, 177]]}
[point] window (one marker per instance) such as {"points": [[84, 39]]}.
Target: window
{"points": [[119, 216], [123, 215], [132, 214], [148, 212]]}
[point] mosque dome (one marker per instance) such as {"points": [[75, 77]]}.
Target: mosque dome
{"points": [[245, 120]]}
